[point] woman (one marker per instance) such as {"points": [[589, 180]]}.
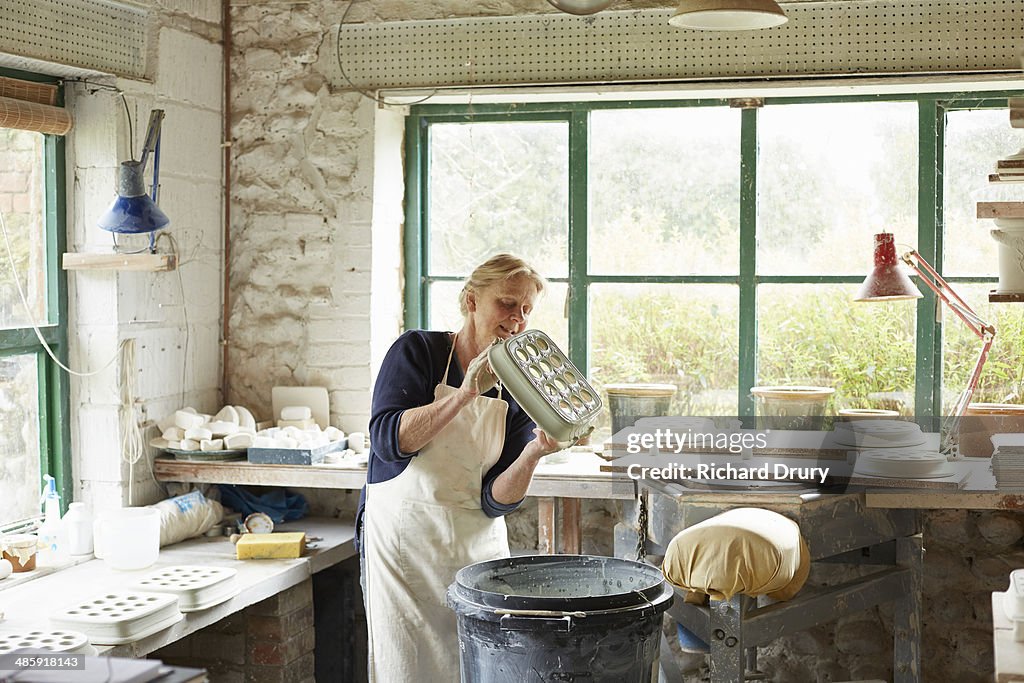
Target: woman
{"points": [[450, 456]]}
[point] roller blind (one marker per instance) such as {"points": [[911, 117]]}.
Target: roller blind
{"points": [[32, 106]]}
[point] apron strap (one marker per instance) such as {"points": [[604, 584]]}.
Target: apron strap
{"points": [[448, 364]]}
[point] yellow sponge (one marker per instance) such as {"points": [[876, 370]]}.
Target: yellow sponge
{"points": [[270, 546]]}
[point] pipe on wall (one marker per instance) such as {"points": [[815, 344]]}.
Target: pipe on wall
{"points": [[225, 23]]}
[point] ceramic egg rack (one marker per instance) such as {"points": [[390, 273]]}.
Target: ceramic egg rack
{"points": [[196, 587], [66, 642], [546, 384], [120, 617]]}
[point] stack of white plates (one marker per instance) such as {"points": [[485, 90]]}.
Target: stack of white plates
{"points": [[878, 434], [1008, 460], [902, 463], [197, 588], [120, 617]]}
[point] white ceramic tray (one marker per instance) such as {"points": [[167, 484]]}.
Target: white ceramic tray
{"points": [[546, 384], [120, 617], [196, 587], [67, 642]]}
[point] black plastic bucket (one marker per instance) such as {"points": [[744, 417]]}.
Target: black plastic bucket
{"points": [[559, 618]]}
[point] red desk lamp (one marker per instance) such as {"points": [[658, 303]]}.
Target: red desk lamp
{"points": [[888, 282]]}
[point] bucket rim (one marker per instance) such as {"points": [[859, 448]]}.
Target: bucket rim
{"points": [[650, 595], [994, 409], [795, 392], [641, 389]]}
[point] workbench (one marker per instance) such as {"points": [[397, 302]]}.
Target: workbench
{"points": [[27, 604], [560, 487]]}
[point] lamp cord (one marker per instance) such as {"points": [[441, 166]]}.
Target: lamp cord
{"points": [[132, 445], [31, 318], [353, 86]]}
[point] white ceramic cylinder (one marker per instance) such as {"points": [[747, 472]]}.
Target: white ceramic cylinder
{"points": [[1010, 240]]}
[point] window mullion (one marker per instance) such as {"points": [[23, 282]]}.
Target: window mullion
{"points": [[416, 226], [579, 326], [55, 429], [748, 261], [928, 391]]}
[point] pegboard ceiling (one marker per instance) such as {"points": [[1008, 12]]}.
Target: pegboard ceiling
{"points": [[94, 35], [820, 39]]}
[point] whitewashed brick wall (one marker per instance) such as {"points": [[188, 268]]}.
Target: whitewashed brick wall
{"points": [[107, 307]]}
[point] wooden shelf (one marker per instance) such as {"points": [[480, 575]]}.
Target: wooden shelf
{"points": [[1005, 298], [138, 262], [1000, 209], [1006, 178]]}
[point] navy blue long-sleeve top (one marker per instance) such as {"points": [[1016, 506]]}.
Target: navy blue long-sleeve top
{"points": [[412, 368]]}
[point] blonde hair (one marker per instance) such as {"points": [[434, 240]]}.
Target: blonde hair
{"points": [[494, 270]]}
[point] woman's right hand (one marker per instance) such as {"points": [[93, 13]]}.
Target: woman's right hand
{"points": [[479, 376]]}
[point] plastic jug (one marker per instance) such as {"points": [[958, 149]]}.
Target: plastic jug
{"points": [[128, 538], [78, 526]]}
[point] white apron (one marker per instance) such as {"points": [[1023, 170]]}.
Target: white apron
{"points": [[420, 528]]}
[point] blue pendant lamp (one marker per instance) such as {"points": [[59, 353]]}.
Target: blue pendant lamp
{"points": [[133, 212]]}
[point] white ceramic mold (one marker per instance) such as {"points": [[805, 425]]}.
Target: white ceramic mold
{"points": [[66, 642], [196, 587], [878, 434], [902, 463], [546, 384], [120, 616], [1013, 603]]}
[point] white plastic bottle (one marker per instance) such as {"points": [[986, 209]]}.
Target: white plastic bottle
{"points": [[52, 546], [78, 525]]}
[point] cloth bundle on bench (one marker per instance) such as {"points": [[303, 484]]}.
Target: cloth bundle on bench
{"points": [[745, 550]]}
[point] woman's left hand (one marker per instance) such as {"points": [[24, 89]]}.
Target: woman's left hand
{"points": [[544, 443]]}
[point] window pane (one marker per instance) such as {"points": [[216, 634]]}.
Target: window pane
{"points": [[975, 140], [664, 191], [548, 315], [676, 334], [1002, 379], [816, 335], [22, 202], [19, 437], [829, 177], [498, 187]]}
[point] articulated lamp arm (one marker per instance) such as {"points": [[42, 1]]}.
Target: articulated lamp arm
{"points": [[983, 330]]}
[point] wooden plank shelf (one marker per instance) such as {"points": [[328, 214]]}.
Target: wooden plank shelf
{"points": [[137, 262], [1005, 298], [1000, 209]]}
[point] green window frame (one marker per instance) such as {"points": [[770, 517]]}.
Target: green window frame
{"points": [[53, 397], [931, 108]]}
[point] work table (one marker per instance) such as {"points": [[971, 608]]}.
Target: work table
{"points": [[28, 605], [582, 476]]}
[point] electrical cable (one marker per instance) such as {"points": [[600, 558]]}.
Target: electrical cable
{"points": [[133, 447], [31, 318], [353, 86]]}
